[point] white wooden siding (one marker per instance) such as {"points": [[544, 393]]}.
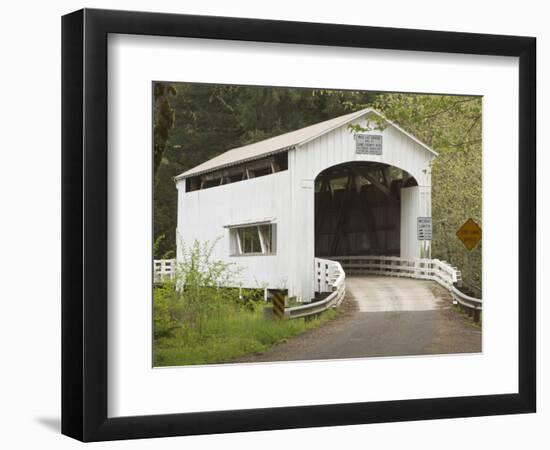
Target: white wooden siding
{"points": [[288, 197], [337, 147], [204, 214]]}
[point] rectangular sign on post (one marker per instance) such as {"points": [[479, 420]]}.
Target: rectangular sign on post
{"points": [[424, 228], [368, 144]]}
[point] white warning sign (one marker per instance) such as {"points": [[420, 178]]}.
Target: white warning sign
{"points": [[424, 228]]}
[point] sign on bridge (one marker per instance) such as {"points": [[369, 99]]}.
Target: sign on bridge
{"points": [[424, 228], [368, 144]]}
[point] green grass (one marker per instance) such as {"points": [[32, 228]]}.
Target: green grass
{"points": [[198, 321], [230, 336]]}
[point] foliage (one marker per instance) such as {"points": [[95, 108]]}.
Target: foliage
{"points": [[194, 295], [164, 117], [234, 336], [196, 321], [166, 306], [451, 125]]}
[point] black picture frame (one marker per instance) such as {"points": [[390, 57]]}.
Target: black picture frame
{"points": [[84, 224]]}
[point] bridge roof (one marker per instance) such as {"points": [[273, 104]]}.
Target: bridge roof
{"points": [[285, 142]]}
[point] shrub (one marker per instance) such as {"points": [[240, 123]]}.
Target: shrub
{"points": [[198, 319]]}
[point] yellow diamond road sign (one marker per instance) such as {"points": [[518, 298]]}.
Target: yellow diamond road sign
{"points": [[469, 234]]}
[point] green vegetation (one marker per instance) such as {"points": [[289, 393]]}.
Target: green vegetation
{"points": [[198, 322], [164, 120], [451, 125], [239, 333]]}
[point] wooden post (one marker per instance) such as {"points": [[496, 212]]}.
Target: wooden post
{"points": [[341, 221]]}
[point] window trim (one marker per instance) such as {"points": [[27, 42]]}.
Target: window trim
{"points": [[235, 244]]}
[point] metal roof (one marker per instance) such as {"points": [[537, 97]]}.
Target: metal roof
{"points": [[284, 142]]}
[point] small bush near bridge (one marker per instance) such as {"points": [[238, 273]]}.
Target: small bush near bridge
{"points": [[198, 322]]}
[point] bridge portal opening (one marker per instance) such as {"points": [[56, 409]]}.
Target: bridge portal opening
{"points": [[358, 209]]}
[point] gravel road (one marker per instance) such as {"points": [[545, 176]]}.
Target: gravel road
{"points": [[384, 316]]}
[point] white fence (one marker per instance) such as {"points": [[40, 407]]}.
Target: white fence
{"points": [[329, 278], [329, 275], [420, 268], [425, 269], [163, 269]]}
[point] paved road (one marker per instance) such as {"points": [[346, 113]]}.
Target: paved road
{"points": [[384, 316]]}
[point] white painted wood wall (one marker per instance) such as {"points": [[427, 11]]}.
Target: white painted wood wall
{"points": [[204, 214], [415, 202], [288, 199]]}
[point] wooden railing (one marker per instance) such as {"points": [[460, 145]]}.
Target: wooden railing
{"points": [[420, 268], [329, 278], [328, 275], [164, 269]]}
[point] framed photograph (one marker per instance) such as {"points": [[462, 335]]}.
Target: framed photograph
{"points": [[273, 225]]}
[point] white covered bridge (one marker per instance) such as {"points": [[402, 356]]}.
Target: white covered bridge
{"points": [[293, 210]]}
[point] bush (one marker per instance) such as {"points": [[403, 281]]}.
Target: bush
{"points": [[184, 304], [198, 319], [165, 302]]}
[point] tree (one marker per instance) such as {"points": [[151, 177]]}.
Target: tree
{"points": [[451, 125], [164, 118]]}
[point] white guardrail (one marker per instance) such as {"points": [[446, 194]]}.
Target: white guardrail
{"points": [[163, 269], [421, 268], [330, 278]]}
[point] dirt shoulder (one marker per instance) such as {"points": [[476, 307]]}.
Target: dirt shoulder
{"points": [[346, 313]]}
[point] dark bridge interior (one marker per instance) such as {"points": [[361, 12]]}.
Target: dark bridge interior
{"points": [[358, 209]]}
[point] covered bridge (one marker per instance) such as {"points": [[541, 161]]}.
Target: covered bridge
{"points": [[335, 189]]}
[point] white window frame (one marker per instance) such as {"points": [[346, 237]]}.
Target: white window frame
{"points": [[236, 247]]}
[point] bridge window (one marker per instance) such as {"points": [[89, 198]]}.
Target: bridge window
{"points": [[266, 237], [249, 239], [253, 240], [240, 172]]}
